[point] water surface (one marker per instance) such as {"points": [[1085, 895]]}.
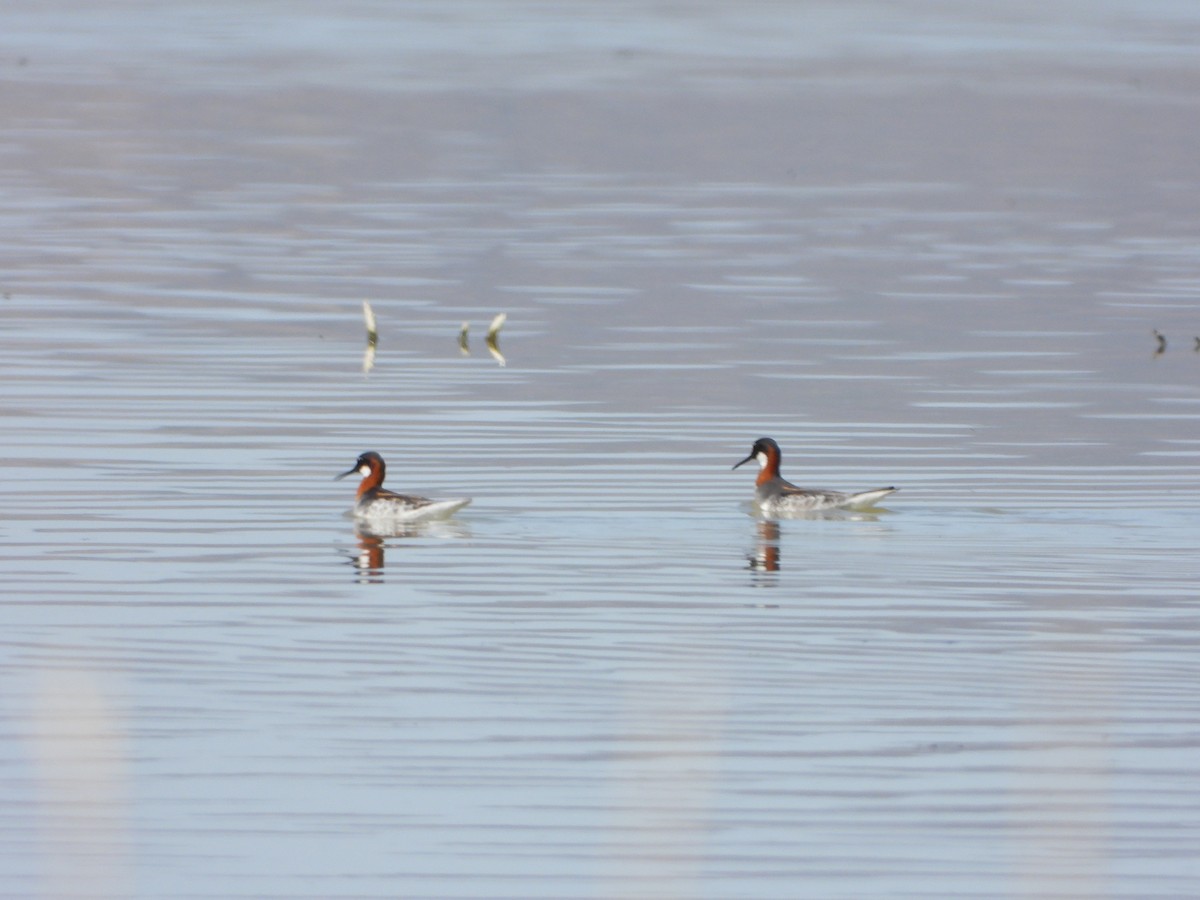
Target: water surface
{"points": [[916, 245]]}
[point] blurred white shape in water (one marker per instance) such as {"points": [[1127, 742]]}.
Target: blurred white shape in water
{"points": [[672, 724], [78, 749]]}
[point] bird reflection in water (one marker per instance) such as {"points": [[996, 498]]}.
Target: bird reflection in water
{"points": [[368, 560], [765, 557], [765, 561]]}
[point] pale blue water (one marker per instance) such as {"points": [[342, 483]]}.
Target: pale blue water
{"points": [[915, 245]]}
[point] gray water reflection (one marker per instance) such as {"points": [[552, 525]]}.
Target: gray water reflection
{"points": [[372, 542], [920, 245]]}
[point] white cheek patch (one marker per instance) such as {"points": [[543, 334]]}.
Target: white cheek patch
{"points": [[762, 459], [364, 469]]}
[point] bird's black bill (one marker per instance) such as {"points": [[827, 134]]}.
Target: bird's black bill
{"points": [[744, 461], [352, 471]]}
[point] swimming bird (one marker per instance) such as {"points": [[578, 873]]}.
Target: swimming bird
{"points": [[376, 503], [780, 498]]}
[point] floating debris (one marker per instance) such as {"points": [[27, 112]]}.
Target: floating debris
{"points": [[463, 344], [369, 318], [1162, 342], [493, 335], [372, 338], [497, 324]]}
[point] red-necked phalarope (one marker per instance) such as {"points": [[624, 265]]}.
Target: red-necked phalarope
{"points": [[777, 497], [376, 503]]}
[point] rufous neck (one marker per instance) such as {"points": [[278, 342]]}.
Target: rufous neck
{"points": [[768, 468], [371, 480]]}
